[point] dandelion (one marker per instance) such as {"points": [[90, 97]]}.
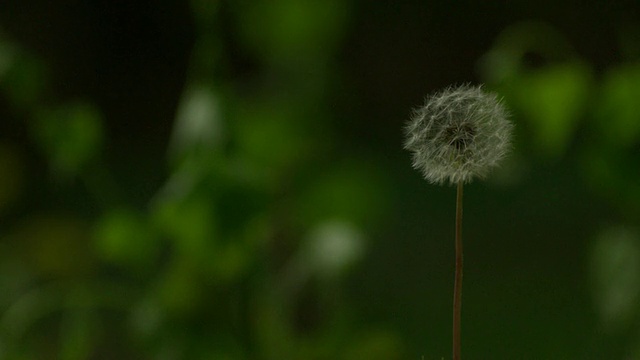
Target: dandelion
{"points": [[459, 134]]}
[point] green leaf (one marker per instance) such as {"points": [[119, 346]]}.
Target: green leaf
{"points": [[122, 237], [190, 224], [618, 108], [293, 30], [270, 134], [76, 335], [22, 77], [180, 291], [351, 192], [70, 135], [553, 100]]}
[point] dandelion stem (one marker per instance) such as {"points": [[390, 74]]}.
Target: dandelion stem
{"points": [[457, 291]]}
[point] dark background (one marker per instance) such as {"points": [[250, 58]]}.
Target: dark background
{"points": [[226, 180]]}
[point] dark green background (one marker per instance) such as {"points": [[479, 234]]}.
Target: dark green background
{"points": [[171, 170]]}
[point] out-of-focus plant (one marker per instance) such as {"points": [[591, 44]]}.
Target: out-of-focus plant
{"points": [[242, 252], [589, 120], [548, 86]]}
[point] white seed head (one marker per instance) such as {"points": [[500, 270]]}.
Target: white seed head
{"points": [[458, 134]]}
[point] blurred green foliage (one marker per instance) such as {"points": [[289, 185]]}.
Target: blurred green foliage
{"points": [[203, 269], [71, 136], [568, 112], [561, 98]]}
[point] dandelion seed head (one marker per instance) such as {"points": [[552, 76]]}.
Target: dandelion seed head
{"points": [[459, 134]]}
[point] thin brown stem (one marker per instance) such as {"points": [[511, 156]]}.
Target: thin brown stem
{"points": [[457, 291]]}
